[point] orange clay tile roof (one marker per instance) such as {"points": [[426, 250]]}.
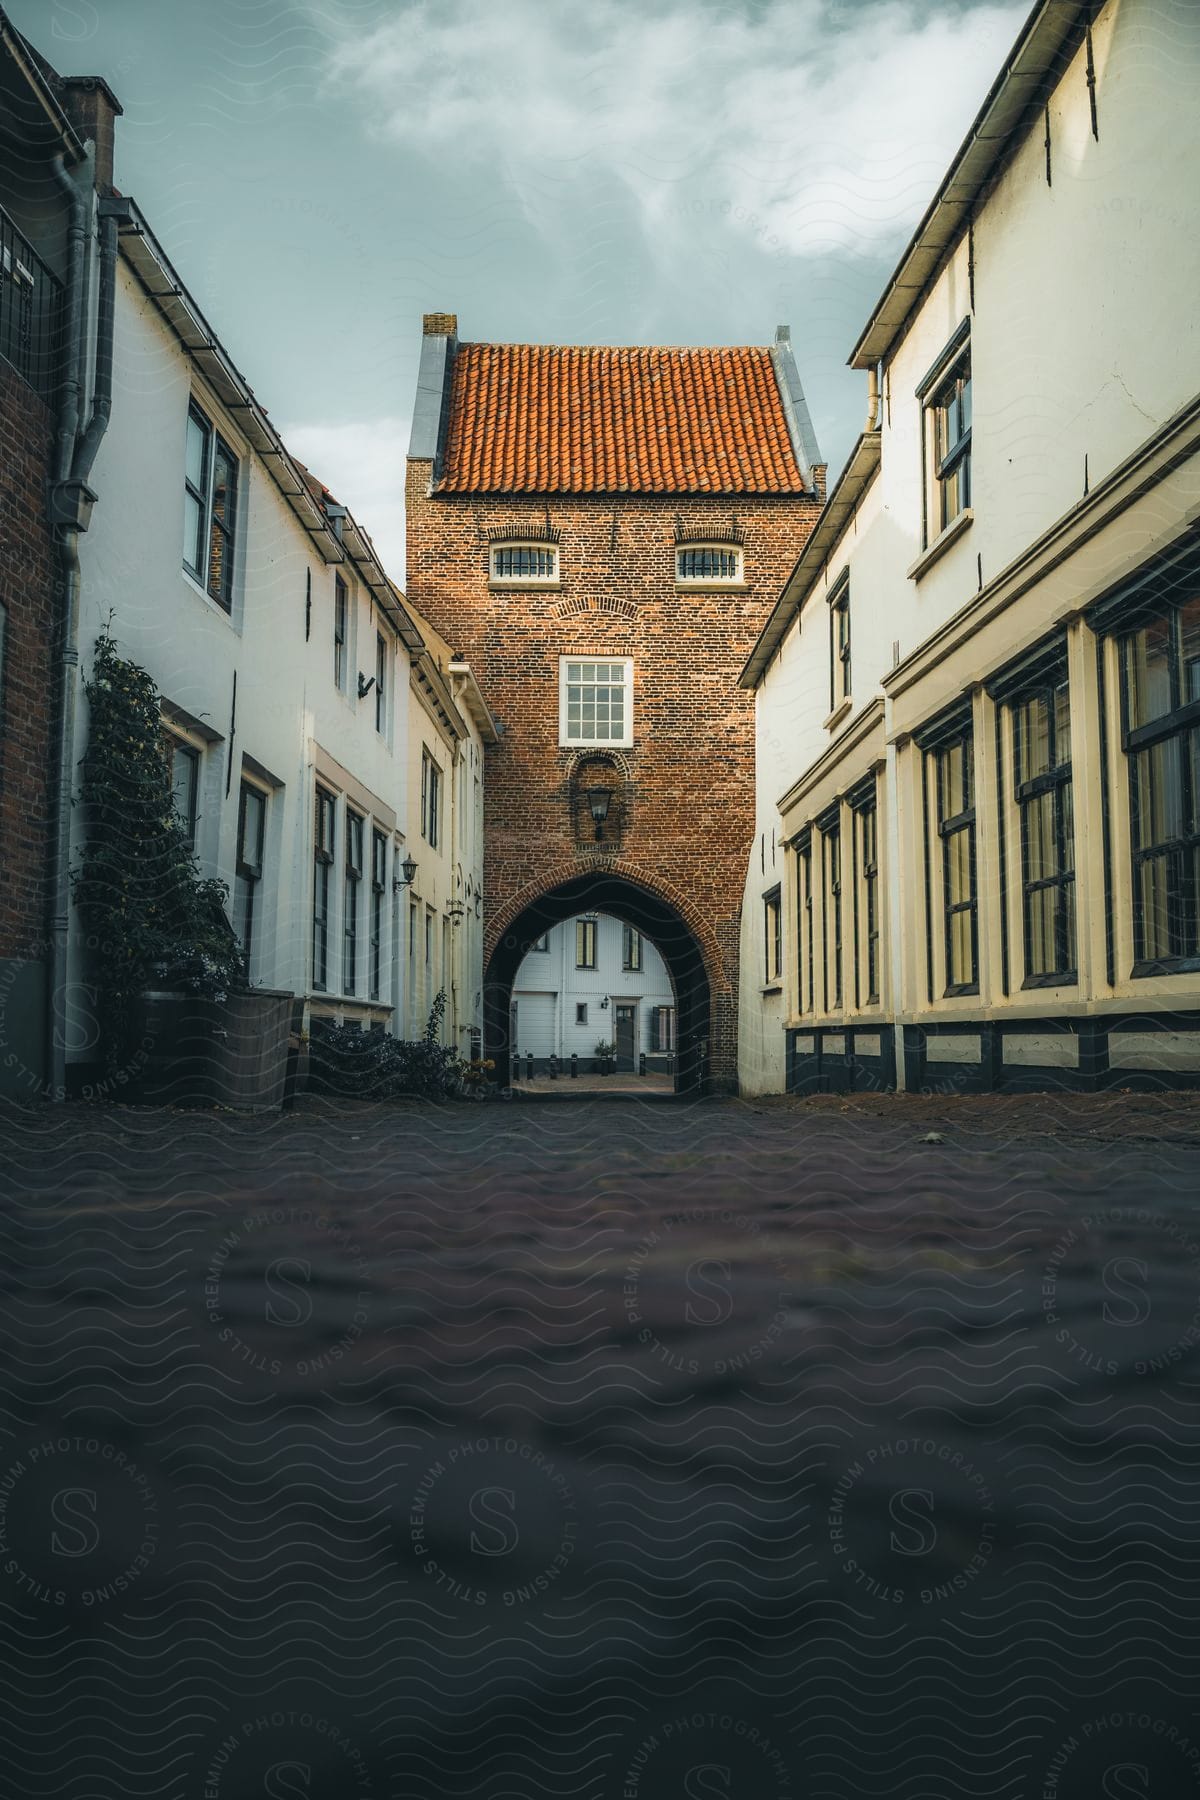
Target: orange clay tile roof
{"points": [[551, 419]]}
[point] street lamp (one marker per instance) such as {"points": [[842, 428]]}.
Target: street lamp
{"points": [[599, 799], [408, 873]]}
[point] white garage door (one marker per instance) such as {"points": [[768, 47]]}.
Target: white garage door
{"points": [[535, 1023]]}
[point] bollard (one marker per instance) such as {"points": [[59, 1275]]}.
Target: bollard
{"points": [[553, 1066], [529, 1065], [642, 1063], [574, 1066]]}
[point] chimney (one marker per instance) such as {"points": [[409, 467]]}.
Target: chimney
{"points": [[93, 110], [440, 325]]}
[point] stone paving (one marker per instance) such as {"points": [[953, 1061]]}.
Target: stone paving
{"points": [[837, 1449]]}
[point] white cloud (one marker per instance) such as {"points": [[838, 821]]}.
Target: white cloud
{"points": [[361, 462], [809, 126]]}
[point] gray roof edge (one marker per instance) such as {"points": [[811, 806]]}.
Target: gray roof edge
{"points": [[826, 534], [795, 408], [1048, 29], [430, 402]]}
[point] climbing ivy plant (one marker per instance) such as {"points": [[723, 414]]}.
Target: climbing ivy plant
{"points": [[152, 919]]}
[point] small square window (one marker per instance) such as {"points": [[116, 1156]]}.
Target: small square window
{"points": [[708, 565], [524, 564], [581, 1012]]}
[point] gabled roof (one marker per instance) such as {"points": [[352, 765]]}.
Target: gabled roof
{"points": [[560, 419]]}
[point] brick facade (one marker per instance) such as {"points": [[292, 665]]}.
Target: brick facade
{"points": [[683, 810], [28, 576]]}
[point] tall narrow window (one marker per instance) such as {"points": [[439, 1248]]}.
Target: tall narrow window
{"points": [[585, 943], [631, 948], [379, 864], [662, 1028], [341, 614], [352, 902], [381, 661], [839, 646], [1160, 664], [949, 438], [772, 938], [209, 508], [252, 817], [867, 820], [431, 800], [955, 772], [1042, 769], [831, 850], [184, 763], [805, 994], [323, 847]]}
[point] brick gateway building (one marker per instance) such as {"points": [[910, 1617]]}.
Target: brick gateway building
{"points": [[602, 533]]}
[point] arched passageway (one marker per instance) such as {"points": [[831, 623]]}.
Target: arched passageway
{"points": [[634, 904]]}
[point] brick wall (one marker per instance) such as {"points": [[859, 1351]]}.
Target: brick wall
{"points": [[685, 809]]}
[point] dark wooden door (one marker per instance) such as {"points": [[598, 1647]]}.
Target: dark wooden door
{"points": [[626, 1027]]}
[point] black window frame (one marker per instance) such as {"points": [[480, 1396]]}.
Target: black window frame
{"points": [[805, 926], [324, 848], [1056, 780], [662, 1030], [832, 911], [949, 404], [381, 662], [209, 520], [1181, 852], [431, 798], [773, 936], [585, 943], [379, 883], [866, 882], [633, 957], [581, 1012], [950, 826], [248, 870], [353, 870], [839, 644], [188, 818], [341, 625]]}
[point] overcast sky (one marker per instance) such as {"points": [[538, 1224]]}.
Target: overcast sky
{"points": [[322, 172]]}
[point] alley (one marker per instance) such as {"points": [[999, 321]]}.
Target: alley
{"points": [[600, 1448]]}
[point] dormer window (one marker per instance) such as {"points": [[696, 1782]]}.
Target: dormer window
{"points": [[708, 565], [524, 565]]}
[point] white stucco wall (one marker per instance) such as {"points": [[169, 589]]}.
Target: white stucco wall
{"points": [[548, 988], [290, 717], [1085, 340]]}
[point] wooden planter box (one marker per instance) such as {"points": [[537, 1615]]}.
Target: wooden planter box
{"points": [[199, 1051]]}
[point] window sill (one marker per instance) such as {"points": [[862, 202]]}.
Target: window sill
{"points": [[225, 612], [771, 987], [712, 587], [1174, 965], [838, 714], [500, 586], [1064, 978], [941, 544]]}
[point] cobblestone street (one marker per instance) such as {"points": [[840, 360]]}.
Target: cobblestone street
{"points": [[837, 1449]]}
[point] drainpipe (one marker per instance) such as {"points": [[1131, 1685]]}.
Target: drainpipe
{"points": [[872, 400], [70, 509]]}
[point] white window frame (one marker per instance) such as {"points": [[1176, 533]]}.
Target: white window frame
{"points": [[624, 742], [724, 548], [541, 545]]}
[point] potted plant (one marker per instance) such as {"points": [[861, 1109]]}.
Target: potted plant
{"points": [[606, 1053], [178, 1020]]}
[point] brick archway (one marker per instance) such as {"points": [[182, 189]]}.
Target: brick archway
{"points": [[602, 885]]}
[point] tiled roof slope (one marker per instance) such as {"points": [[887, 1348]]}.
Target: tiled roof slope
{"points": [[551, 419]]}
